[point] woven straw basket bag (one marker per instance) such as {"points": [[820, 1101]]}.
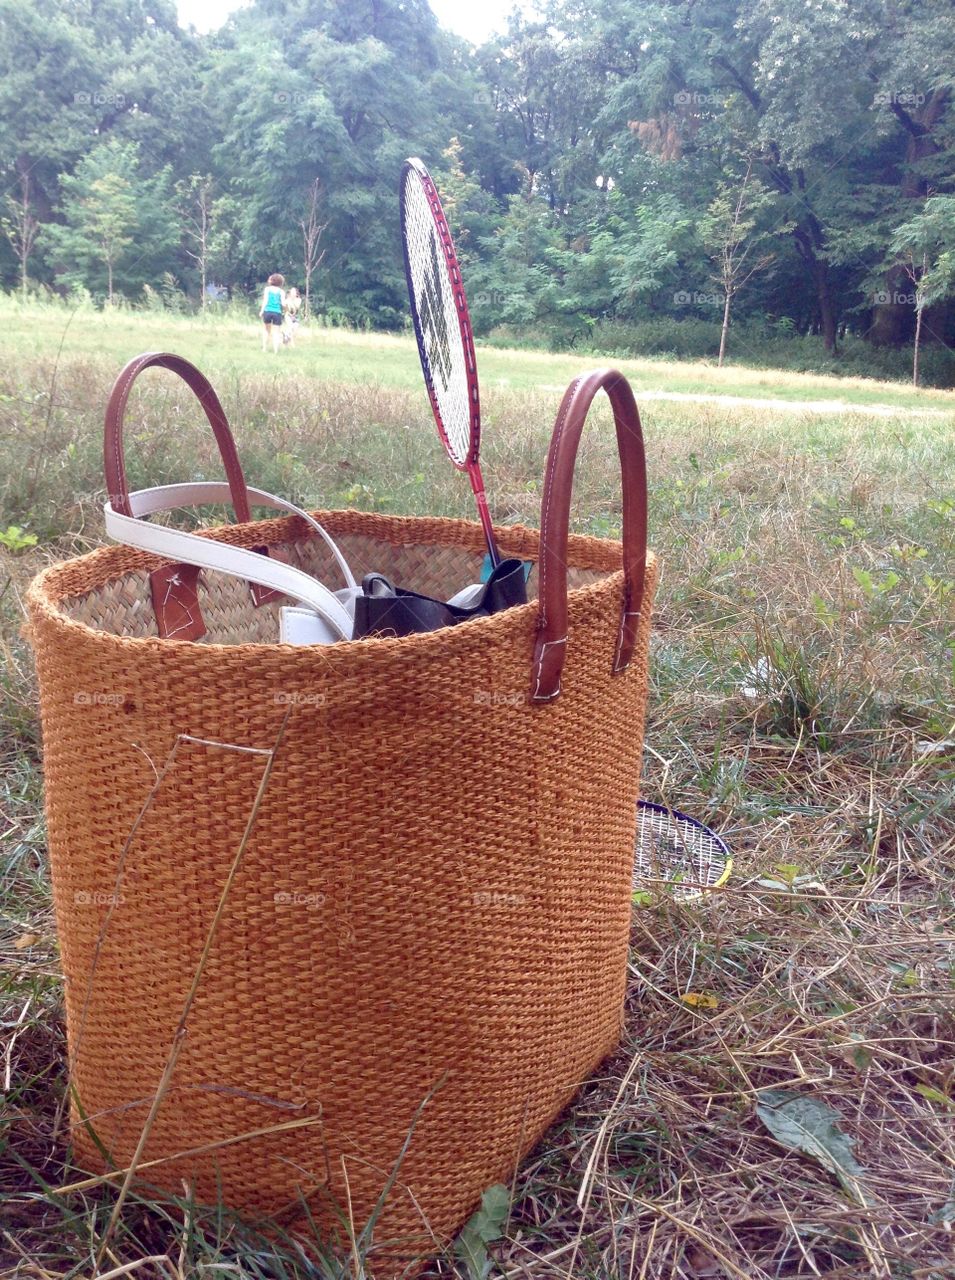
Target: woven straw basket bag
{"points": [[427, 929]]}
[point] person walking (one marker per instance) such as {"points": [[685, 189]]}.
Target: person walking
{"points": [[272, 311], [293, 305]]}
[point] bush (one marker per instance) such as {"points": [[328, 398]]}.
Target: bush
{"points": [[760, 342]]}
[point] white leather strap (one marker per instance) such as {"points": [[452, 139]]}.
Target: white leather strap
{"points": [[303, 626], [168, 497], [189, 548]]}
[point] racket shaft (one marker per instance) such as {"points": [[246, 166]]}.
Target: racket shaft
{"points": [[477, 484]]}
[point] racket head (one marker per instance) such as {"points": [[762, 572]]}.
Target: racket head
{"points": [[673, 847], [439, 311]]}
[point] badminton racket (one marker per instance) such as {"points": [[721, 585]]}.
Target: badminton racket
{"points": [[691, 859], [442, 325]]}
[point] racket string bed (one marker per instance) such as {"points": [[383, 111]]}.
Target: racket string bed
{"points": [[679, 851], [442, 326], [438, 306]]}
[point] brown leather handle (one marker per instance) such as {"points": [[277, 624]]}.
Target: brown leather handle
{"points": [[174, 586], [200, 385], [551, 644]]}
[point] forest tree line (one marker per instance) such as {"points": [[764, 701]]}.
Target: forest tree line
{"points": [[613, 168]]}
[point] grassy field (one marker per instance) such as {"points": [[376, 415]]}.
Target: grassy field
{"points": [[802, 703], [230, 346]]}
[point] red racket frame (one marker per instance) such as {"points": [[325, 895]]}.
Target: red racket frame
{"points": [[471, 464]]}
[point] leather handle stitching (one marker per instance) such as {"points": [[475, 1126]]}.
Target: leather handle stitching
{"points": [[547, 644], [624, 406], [569, 398]]}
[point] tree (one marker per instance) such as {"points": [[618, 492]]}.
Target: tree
{"points": [[578, 154], [118, 228], [354, 98], [51, 68], [644, 245], [916, 41], [548, 96], [196, 206], [20, 228], [734, 242], [471, 211], [101, 223], [74, 76], [823, 96], [856, 96], [516, 283], [312, 231], [227, 261], [924, 248]]}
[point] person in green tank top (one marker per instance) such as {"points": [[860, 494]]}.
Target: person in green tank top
{"points": [[272, 311]]}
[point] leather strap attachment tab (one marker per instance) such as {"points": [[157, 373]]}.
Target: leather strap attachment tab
{"points": [[173, 587]]}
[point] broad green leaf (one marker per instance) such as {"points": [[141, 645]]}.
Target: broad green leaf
{"points": [[472, 1251], [485, 1225], [807, 1125]]}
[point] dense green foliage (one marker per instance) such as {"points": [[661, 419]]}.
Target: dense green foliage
{"points": [[618, 165]]}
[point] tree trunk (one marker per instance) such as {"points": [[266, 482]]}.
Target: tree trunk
{"points": [[827, 316], [204, 196], [726, 328], [808, 237], [889, 314], [23, 277], [810, 241], [918, 339], [890, 319], [109, 281], [308, 291]]}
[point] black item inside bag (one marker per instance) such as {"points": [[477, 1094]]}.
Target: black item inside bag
{"points": [[386, 610]]}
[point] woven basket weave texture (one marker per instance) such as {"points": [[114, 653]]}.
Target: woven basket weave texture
{"points": [[434, 902]]}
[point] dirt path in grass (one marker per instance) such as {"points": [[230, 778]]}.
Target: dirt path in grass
{"points": [[791, 406]]}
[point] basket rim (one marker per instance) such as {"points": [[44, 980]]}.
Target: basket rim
{"points": [[45, 595]]}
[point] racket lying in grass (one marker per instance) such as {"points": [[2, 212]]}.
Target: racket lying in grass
{"points": [[442, 327], [690, 858]]}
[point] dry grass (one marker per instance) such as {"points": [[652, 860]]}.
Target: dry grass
{"points": [[807, 560], [841, 990]]}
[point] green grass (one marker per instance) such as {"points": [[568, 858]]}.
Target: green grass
{"points": [[802, 702], [229, 345]]}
